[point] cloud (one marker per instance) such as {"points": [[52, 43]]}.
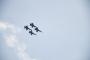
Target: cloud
{"points": [[7, 26], [12, 40], [3, 25]]}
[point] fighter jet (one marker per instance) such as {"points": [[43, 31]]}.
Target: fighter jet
{"points": [[32, 25], [37, 30], [31, 32], [26, 27]]}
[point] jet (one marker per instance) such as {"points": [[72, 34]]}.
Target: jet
{"points": [[37, 30], [26, 27], [31, 32], [32, 25]]}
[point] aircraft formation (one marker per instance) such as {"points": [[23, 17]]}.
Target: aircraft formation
{"points": [[30, 30]]}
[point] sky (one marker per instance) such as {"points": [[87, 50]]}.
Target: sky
{"points": [[64, 25]]}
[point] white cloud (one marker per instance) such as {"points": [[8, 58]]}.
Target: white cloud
{"points": [[3, 25], [24, 56], [12, 41], [21, 47]]}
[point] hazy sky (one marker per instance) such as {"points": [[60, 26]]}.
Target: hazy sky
{"points": [[64, 24]]}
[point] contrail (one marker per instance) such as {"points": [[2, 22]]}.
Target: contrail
{"points": [[12, 40]]}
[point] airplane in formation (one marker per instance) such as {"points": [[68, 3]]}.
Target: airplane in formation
{"points": [[26, 27], [32, 25], [30, 30], [36, 28]]}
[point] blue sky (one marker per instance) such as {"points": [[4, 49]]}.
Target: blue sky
{"points": [[64, 24]]}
